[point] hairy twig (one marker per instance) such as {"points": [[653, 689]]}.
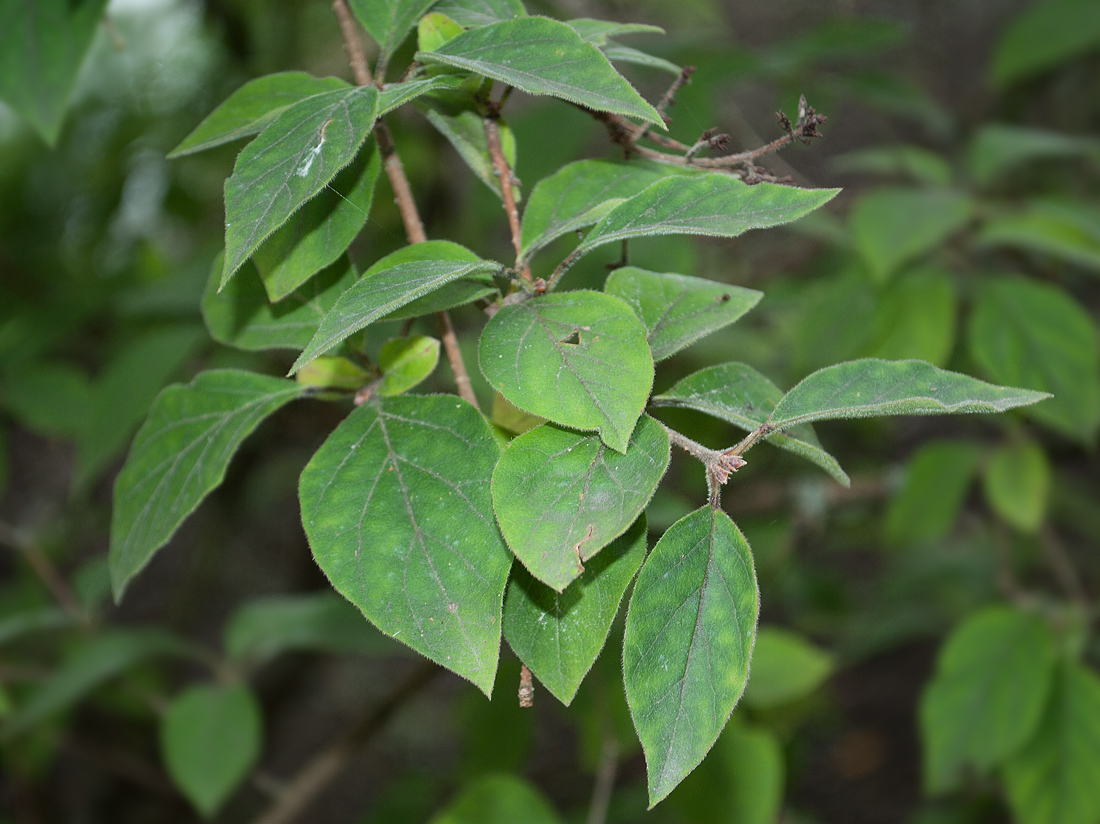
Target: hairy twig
{"points": [[504, 174], [327, 765], [719, 464], [402, 192]]}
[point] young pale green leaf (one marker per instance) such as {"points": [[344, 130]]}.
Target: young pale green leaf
{"points": [[581, 193], [480, 12], [210, 740], [999, 148], [1035, 334], [542, 56], [1046, 35], [454, 117], [992, 681], [737, 393], [180, 454], [597, 32], [1066, 230], [579, 359], [709, 204], [785, 667], [893, 226], [100, 658], [394, 95], [871, 388], [936, 482], [1016, 482], [689, 636], [321, 231], [677, 309], [389, 21], [559, 635], [508, 417], [1052, 780], [251, 108], [618, 53], [498, 799], [389, 284], [267, 627], [562, 496], [241, 316], [333, 373], [397, 508], [915, 318], [405, 362], [292, 160], [434, 30], [42, 46]]}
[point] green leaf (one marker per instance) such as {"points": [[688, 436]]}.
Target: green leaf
{"points": [[122, 394], [1066, 230], [448, 296], [560, 635], [241, 316], [210, 740], [292, 160], [785, 668], [498, 799], [579, 359], [617, 53], [689, 637], [42, 46], [253, 107], [434, 30], [1052, 780], [389, 284], [936, 482], [738, 394], [180, 454], [1035, 334], [480, 12], [598, 32], [542, 56], [394, 95], [48, 398], [455, 116], [319, 233], [389, 21], [991, 683], [512, 419], [405, 362], [999, 148], [893, 226], [915, 318], [333, 373], [268, 627], [870, 388], [397, 508], [581, 193], [562, 496], [915, 162], [1016, 482], [1048, 34], [15, 626], [100, 658], [709, 204], [677, 309]]}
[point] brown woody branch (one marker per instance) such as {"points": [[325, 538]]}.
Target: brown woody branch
{"points": [[504, 174]]}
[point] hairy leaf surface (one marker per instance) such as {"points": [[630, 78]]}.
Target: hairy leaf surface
{"points": [[480, 12], [389, 21]]}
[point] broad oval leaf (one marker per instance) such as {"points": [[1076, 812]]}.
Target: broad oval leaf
{"points": [[1016, 482], [677, 309], [321, 231], [738, 394], [992, 681], [498, 799], [915, 317], [559, 635], [405, 362], [871, 388], [251, 108], [293, 159], [180, 454], [1052, 779], [241, 315], [1066, 230], [580, 193], [561, 496], [542, 56], [389, 284], [689, 636], [1042, 37], [389, 21], [713, 204], [397, 508], [936, 482], [998, 148], [480, 12], [785, 668], [210, 738], [1035, 334], [579, 359]]}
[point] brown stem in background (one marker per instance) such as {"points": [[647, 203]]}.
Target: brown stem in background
{"points": [[1062, 566], [504, 174], [46, 572], [605, 781], [402, 193], [327, 765]]}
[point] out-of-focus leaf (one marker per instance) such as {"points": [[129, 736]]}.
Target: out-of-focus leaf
{"points": [[405, 362], [936, 482], [25, 622], [998, 148], [498, 799], [785, 667], [1016, 481], [903, 160], [1046, 35], [915, 318], [617, 53], [50, 398], [1066, 230], [837, 38], [455, 117], [42, 46]]}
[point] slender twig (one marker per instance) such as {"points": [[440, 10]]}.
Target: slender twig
{"points": [[669, 97], [327, 765], [719, 464], [605, 781], [402, 193], [45, 570], [504, 174]]}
